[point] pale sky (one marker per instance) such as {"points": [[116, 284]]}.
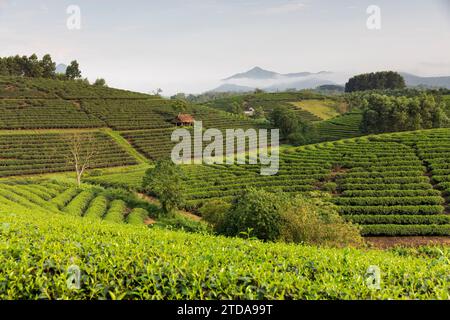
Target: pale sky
{"points": [[189, 45]]}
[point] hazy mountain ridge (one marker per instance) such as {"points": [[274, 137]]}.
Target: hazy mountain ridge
{"points": [[272, 81]]}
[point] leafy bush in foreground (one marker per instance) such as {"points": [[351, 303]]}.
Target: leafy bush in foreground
{"points": [[38, 248], [313, 221]]}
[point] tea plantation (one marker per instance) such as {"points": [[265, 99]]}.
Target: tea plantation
{"points": [[391, 184], [52, 197], [35, 153], [40, 251], [394, 184]]}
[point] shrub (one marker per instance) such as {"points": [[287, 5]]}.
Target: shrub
{"points": [[310, 220], [179, 222], [330, 187], [95, 173], [255, 210], [214, 212]]}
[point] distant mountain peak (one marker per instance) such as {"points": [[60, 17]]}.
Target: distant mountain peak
{"points": [[254, 73], [258, 73], [61, 68]]}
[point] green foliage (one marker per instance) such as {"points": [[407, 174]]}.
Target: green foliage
{"points": [[378, 80], [236, 108], [194, 266], [137, 216], [73, 71], [178, 222], [100, 82], [65, 197], [383, 175], [34, 153], [285, 120], [116, 211], [257, 210], [389, 114], [57, 88], [79, 204], [330, 187], [97, 208], [214, 212], [27, 66], [314, 221], [165, 182]]}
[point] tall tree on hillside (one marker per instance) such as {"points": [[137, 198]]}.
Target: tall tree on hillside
{"points": [[73, 70], [82, 151], [48, 66], [33, 66], [284, 119], [165, 181]]}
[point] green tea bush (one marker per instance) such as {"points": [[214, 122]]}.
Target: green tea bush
{"points": [[137, 216], [38, 248], [116, 211], [97, 208]]}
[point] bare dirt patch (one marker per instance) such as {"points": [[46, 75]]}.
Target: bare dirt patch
{"points": [[149, 221], [417, 241]]}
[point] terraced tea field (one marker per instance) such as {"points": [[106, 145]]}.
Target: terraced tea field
{"points": [[36, 153], [45, 114], [156, 144], [342, 127], [391, 184], [270, 101], [381, 182], [51, 197], [23, 88]]}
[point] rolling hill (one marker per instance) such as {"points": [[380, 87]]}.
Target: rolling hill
{"points": [[394, 184]]}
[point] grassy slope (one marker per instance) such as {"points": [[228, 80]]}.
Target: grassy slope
{"points": [[324, 109], [121, 141], [176, 265]]}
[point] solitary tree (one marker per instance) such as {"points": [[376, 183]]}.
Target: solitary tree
{"points": [[48, 66], [100, 82], [165, 181], [82, 151], [157, 92], [73, 70]]}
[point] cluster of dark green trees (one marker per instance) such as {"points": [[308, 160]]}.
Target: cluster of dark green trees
{"points": [[382, 113], [375, 81], [292, 129], [33, 67]]}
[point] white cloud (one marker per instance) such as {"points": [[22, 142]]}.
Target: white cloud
{"points": [[288, 7]]}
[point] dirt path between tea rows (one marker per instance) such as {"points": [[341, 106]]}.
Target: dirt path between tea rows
{"points": [[416, 241]]}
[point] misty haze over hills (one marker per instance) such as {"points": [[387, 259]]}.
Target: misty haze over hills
{"points": [[273, 81]]}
